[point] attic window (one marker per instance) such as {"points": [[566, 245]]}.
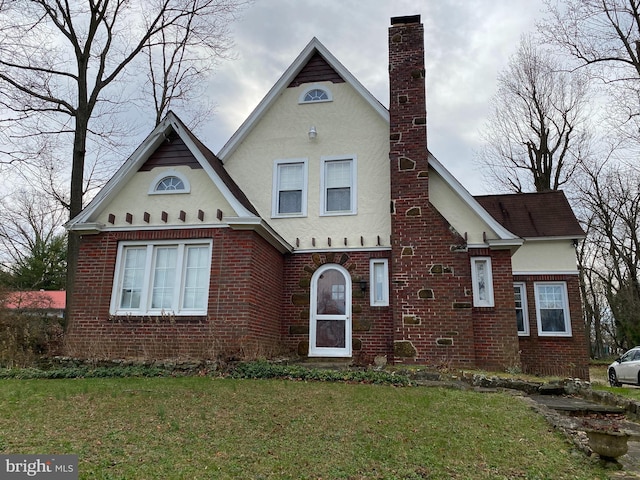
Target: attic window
{"points": [[315, 94], [169, 182]]}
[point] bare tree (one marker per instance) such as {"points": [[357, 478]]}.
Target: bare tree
{"points": [[612, 196], [60, 62], [604, 37], [32, 241], [536, 136], [177, 69]]}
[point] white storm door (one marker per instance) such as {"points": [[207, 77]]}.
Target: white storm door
{"points": [[330, 312]]}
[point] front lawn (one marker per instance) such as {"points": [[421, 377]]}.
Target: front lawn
{"points": [[204, 428]]}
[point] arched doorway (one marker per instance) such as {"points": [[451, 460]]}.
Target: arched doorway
{"points": [[330, 312]]}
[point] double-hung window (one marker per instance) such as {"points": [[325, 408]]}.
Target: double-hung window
{"points": [[162, 278], [522, 315], [379, 282], [482, 280], [338, 184], [552, 309], [289, 188]]}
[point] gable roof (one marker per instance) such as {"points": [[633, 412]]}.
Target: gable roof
{"points": [[209, 162], [310, 52], [534, 215]]}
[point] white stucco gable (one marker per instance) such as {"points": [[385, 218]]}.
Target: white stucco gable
{"points": [[207, 197]]}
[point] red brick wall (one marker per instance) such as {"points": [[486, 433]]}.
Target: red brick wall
{"points": [[244, 302], [372, 330], [562, 356], [495, 329]]}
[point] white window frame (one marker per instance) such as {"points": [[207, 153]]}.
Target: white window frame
{"points": [[475, 281], [525, 311], [301, 98], [275, 197], [147, 283], [169, 173], [565, 307], [375, 301], [324, 161]]}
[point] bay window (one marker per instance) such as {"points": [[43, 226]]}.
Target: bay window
{"points": [[160, 278]]}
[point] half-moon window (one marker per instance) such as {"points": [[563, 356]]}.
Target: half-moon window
{"points": [[316, 95], [170, 184]]}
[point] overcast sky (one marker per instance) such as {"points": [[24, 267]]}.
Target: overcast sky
{"points": [[467, 43]]}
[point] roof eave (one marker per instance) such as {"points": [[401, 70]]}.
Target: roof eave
{"points": [[262, 228]]}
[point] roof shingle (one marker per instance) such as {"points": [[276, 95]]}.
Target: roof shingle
{"points": [[532, 215]]}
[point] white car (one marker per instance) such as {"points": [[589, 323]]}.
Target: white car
{"points": [[625, 369]]}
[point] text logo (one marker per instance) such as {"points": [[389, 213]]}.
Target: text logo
{"points": [[49, 467]]}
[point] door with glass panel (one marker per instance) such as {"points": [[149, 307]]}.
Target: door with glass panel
{"points": [[330, 312]]}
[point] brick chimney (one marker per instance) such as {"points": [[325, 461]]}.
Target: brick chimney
{"points": [[407, 107], [412, 219]]}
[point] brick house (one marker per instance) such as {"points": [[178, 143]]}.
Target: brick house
{"points": [[325, 227]]}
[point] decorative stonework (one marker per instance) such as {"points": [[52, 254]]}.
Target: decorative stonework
{"points": [[356, 344], [300, 299], [404, 349], [444, 342], [411, 320], [303, 348], [414, 212], [361, 325], [461, 304], [439, 269], [426, 294], [407, 251], [405, 163]]}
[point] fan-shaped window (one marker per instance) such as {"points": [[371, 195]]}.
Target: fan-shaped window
{"points": [[315, 94], [170, 181]]}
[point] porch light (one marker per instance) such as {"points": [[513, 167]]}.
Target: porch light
{"points": [[363, 286], [312, 132]]}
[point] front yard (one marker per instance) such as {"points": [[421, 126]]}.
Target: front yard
{"points": [[202, 428]]}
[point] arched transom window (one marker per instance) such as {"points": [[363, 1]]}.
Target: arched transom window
{"points": [[315, 94], [169, 183]]}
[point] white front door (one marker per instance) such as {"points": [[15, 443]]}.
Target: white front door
{"points": [[330, 312]]}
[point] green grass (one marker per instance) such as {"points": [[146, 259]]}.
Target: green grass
{"points": [[201, 428]]}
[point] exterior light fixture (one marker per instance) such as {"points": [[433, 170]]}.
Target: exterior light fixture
{"points": [[363, 286], [312, 133]]}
